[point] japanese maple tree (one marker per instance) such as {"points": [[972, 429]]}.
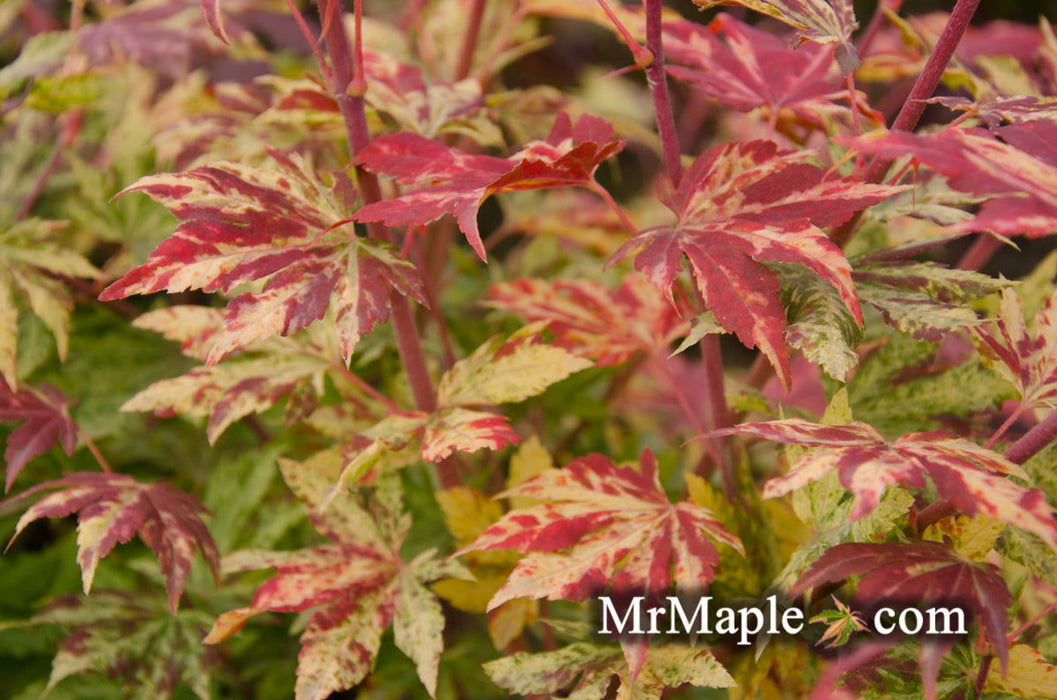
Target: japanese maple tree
{"points": [[359, 347]]}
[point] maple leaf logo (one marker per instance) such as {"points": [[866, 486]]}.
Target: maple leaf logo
{"points": [[740, 205], [241, 224], [604, 526], [447, 181], [357, 584], [973, 478], [111, 508], [841, 624]]}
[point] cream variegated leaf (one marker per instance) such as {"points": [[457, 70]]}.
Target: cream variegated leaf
{"points": [[823, 21], [508, 371], [974, 479], [588, 669], [30, 261], [114, 508], [1027, 359], [278, 225], [603, 524], [356, 585]]}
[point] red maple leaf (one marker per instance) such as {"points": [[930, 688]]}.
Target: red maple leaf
{"points": [[111, 508], [917, 572], [1016, 166], [604, 525], [447, 181], [241, 224], [973, 478], [592, 321], [46, 417], [740, 205], [746, 69]]}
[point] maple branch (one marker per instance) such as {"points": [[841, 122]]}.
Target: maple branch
{"points": [[349, 88], [1019, 452], [658, 82], [410, 347], [1034, 441], [469, 39], [981, 677], [914, 105]]}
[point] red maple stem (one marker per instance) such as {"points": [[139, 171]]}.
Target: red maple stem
{"points": [[1034, 441], [874, 26], [613, 206], [366, 388], [469, 39], [349, 86], [981, 676], [642, 56], [914, 105], [94, 449], [1017, 413], [1019, 452], [302, 25], [658, 82], [981, 251]]}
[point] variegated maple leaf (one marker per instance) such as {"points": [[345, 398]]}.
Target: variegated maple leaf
{"points": [[112, 508], [230, 390], [357, 585], [447, 181], [399, 91], [740, 205], [923, 299], [993, 112], [973, 478], [591, 321], [585, 670], [604, 526], [822, 21], [746, 69], [1016, 166], [500, 371], [30, 266], [109, 631], [919, 572], [243, 223], [46, 416], [841, 624], [1027, 359]]}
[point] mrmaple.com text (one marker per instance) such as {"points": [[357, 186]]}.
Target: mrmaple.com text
{"points": [[745, 622]]}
